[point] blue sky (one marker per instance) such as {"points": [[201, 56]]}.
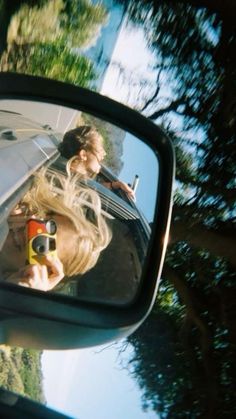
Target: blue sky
{"points": [[139, 159], [91, 383]]}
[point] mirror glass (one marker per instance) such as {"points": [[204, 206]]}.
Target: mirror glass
{"points": [[95, 181]]}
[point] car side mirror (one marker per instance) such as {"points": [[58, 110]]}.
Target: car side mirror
{"points": [[114, 295]]}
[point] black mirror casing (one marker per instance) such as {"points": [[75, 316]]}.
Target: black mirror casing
{"points": [[39, 320]]}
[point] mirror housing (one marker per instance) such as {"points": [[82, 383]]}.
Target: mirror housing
{"points": [[48, 321]]}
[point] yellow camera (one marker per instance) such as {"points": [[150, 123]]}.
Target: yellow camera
{"points": [[41, 240]]}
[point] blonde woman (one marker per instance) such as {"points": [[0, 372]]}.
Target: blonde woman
{"points": [[82, 231], [84, 150]]}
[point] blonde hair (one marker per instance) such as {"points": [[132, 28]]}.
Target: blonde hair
{"points": [[53, 192]]}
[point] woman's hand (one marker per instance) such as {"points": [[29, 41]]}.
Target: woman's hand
{"points": [[41, 277], [118, 184]]}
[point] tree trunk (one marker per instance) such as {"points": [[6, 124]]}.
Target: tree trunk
{"points": [[198, 235]]}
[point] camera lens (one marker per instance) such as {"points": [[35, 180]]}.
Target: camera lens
{"points": [[41, 249], [51, 227], [40, 245]]}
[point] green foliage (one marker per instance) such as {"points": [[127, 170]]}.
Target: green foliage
{"points": [[36, 24], [9, 376], [31, 374], [158, 363], [49, 60], [74, 23], [81, 21], [20, 372], [43, 38]]}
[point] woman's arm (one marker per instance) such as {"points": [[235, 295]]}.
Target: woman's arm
{"points": [[117, 184]]}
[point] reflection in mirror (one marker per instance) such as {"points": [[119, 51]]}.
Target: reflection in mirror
{"points": [[96, 183]]}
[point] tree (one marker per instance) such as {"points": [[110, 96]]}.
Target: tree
{"points": [[74, 23], [7, 10], [20, 372], [51, 60], [160, 367], [81, 21], [43, 37], [195, 43]]}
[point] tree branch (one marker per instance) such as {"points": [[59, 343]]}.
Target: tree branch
{"points": [[198, 235], [155, 93], [173, 106]]}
